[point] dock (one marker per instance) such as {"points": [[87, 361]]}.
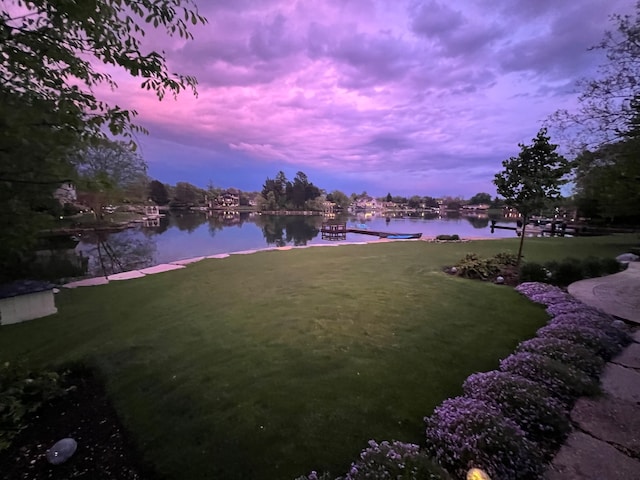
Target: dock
{"points": [[341, 229]]}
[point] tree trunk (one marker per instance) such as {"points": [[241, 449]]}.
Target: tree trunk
{"points": [[524, 227]]}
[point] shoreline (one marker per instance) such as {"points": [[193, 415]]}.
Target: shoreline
{"points": [[180, 264]]}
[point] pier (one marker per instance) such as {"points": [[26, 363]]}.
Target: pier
{"points": [[331, 230]]}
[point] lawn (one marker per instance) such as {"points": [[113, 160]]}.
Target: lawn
{"points": [[270, 365]]}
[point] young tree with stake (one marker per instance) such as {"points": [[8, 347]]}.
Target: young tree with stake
{"points": [[532, 179]]}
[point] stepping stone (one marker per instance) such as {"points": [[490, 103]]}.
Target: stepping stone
{"points": [[88, 282], [610, 419], [220, 255], [621, 382], [630, 356], [187, 261], [583, 457], [126, 275], [163, 267]]}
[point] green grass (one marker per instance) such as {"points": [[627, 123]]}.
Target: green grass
{"points": [[269, 365]]}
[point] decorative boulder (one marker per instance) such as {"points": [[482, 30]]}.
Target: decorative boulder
{"points": [[627, 257], [500, 280], [61, 451]]}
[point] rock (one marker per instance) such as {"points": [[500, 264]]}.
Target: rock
{"points": [[500, 280], [61, 451], [619, 324], [627, 257], [454, 270]]}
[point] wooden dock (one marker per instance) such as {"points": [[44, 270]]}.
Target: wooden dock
{"points": [[341, 229]]}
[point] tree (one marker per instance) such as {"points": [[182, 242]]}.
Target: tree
{"points": [[607, 182], [389, 198], [158, 192], [480, 198], [430, 202], [532, 179], [340, 199], [48, 55], [48, 50], [608, 103], [414, 201], [105, 169], [187, 195]]}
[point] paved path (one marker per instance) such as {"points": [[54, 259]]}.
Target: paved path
{"points": [[605, 444], [617, 294]]}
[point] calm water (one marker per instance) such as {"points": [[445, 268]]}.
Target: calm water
{"points": [[185, 235]]}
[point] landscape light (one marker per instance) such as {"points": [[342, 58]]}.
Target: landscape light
{"points": [[477, 474]]}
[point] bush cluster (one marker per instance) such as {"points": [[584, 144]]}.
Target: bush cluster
{"points": [[22, 392], [568, 270], [510, 421], [478, 268], [448, 238]]}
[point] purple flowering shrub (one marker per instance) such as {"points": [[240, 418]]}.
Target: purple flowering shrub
{"points": [[544, 419], [572, 305], [528, 289], [565, 351], [465, 432], [543, 293], [596, 320], [315, 476], [564, 382], [394, 461], [389, 461], [595, 340]]}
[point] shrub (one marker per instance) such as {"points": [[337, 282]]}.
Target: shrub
{"points": [[465, 432], [611, 265], [593, 339], [472, 266], [565, 351], [563, 381], [506, 258], [22, 392], [529, 289], [315, 476], [394, 461], [597, 320], [532, 272], [448, 237], [552, 297], [572, 305], [592, 267], [566, 272], [544, 419]]}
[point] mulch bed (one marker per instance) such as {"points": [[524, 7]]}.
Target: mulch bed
{"points": [[84, 414]]}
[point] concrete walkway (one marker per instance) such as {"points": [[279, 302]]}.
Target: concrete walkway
{"points": [[605, 443], [617, 294]]}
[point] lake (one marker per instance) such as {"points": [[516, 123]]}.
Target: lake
{"points": [[182, 235]]}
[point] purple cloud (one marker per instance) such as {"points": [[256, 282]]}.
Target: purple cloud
{"points": [[413, 97]]}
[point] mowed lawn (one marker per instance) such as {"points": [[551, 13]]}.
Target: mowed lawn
{"points": [[269, 365]]}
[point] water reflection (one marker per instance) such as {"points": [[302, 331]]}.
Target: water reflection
{"points": [[281, 230], [478, 221], [108, 253]]}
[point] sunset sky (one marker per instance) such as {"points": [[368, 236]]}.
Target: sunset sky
{"points": [[407, 97]]}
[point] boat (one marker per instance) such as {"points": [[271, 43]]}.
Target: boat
{"points": [[401, 236]]}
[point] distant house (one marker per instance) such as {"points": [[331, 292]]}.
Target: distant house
{"points": [[66, 193], [366, 203], [476, 207], [228, 200]]}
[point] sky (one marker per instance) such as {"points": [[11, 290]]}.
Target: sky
{"points": [[407, 97]]}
